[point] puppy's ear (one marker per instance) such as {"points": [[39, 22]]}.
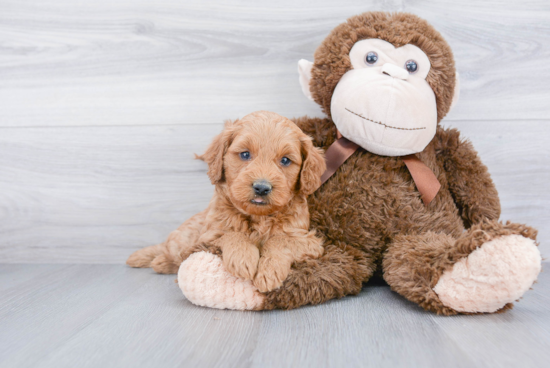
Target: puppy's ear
{"points": [[215, 152], [312, 168]]}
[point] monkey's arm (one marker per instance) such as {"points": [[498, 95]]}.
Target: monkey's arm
{"points": [[469, 180]]}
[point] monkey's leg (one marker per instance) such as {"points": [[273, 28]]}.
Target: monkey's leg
{"points": [[166, 257], [484, 270], [335, 274]]}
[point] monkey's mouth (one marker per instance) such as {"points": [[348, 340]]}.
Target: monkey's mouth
{"points": [[380, 123]]}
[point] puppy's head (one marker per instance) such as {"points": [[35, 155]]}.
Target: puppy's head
{"points": [[264, 159]]}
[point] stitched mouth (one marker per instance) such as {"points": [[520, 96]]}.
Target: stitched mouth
{"points": [[377, 122]]}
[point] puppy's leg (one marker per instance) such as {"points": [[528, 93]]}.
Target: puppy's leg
{"points": [[167, 257], [278, 254], [274, 264], [308, 246], [142, 258], [240, 255]]}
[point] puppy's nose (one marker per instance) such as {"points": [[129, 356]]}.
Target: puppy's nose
{"points": [[262, 187]]}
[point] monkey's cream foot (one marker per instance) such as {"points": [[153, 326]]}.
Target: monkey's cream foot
{"points": [[205, 282], [497, 273]]}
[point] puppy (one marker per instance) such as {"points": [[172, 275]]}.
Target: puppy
{"points": [[263, 168]]}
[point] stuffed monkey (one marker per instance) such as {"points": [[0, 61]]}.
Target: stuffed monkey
{"points": [[385, 81]]}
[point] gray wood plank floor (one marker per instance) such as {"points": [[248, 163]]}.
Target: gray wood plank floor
{"points": [[114, 316]]}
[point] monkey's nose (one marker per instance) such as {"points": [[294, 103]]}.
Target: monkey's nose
{"points": [[262, 187], [394, 71]]}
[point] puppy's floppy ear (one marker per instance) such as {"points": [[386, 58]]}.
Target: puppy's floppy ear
{"points": [[215, 152], [313, 166]]}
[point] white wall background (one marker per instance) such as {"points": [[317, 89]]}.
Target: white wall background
{"points": [[103, 103]]}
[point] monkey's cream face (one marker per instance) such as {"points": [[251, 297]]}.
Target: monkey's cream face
{"points": [[385, 104]]}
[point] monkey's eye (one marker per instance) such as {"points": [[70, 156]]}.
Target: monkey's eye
{"points": [[371, 58], [245, 156], [285, 161], [411, 66]]}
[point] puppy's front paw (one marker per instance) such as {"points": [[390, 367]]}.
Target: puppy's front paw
{"points": [[241, 261], [271, 274]]}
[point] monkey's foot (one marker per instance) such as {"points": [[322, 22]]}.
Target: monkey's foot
{"points": [[205, 282], [495, 274]]}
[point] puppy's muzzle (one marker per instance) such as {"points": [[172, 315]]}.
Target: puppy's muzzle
{"points": [[262, 187]]}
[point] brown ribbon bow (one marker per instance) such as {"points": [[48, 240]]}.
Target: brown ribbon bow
{"points": [[425, 180]]}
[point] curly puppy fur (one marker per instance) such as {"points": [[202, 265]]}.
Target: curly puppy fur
{"points": [[258, 235]]}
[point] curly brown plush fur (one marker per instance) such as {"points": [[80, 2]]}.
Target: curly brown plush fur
{"points": [[370, 212], [373, 218]]}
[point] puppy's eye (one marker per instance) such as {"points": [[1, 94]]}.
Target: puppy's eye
{"points": [[245, 156], [411, 66], [371, 58], [285, 161]]}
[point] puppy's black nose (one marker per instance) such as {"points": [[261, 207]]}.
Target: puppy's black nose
{"points": [[262, 187]]}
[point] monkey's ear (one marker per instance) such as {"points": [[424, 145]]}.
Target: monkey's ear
{"points": [[215, 152], [456, 93], [304, 68]]}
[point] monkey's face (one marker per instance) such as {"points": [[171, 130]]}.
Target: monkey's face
{"points": [[386, 79], [384, 103]]}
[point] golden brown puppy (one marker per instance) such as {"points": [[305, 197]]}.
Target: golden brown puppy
{"points": [[263, 167]]}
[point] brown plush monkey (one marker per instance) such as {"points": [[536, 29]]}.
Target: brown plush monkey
{"points": [[385, 82]]}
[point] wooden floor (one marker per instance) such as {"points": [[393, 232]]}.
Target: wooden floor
{"points": [[114, 316], [104, 102]]}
